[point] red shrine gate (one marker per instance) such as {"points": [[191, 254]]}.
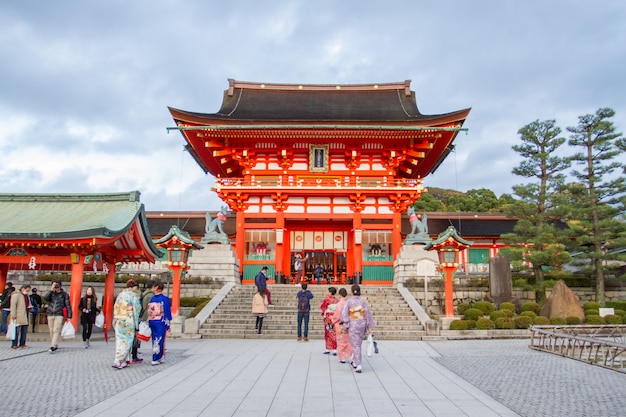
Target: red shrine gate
{"points": [[319, 170]]}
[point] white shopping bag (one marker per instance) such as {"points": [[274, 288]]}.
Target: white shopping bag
{"points": [[369, 349], [68, 332]]}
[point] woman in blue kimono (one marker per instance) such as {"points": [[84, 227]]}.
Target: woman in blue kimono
{"points": [[357, 319], [159, 317]]}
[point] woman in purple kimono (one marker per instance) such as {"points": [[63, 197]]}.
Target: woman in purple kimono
{"points": [[357, 319], [159, 317]]}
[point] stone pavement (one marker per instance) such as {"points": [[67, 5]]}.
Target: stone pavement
{"points": [[227, 377]]}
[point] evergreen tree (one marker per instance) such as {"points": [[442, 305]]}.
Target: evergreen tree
{"points": [[537, 237], [596, 219]]}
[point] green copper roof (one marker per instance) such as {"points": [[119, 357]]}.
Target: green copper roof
{"points": [[182, 235], [67, 216]]}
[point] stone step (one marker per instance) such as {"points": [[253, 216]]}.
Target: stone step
{"points": [[233, 317]]}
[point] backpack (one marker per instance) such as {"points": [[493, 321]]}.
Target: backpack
{"points": [[303, 301]]}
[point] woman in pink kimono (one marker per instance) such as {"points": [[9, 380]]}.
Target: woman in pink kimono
{"points": [[344, 350], [358, 320], [329, 307]]}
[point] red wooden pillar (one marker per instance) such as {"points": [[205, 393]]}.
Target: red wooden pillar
{"points": [[4, 273], [76, 287], [358, 246], [396, 235], [240, 239], [448, 270], [109, 293], [280, 246], [177, 271]]}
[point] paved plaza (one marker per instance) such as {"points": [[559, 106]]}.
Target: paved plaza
{"points": [[480, 378]]}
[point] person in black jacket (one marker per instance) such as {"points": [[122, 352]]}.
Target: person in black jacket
{"points": [[5, 303], [35, 304], [58, 311], [88, 312]]}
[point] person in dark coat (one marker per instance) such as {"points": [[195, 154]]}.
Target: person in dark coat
{"points": [[88, 311]]}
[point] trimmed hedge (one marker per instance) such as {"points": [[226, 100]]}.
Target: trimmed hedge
{"points": [[559, 321], [531, 306], [522, 322], [486, 307], [572, 320], [591, 305], [504, 323], [541, 320], [459, 325], [485, 324], [508, 306], [473, 314], [613, 319], [594, 319]]}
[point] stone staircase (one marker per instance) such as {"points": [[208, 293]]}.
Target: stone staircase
{"points": [[233, 319]]}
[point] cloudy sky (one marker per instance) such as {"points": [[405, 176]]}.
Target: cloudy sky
{"points": [[84, 86]]}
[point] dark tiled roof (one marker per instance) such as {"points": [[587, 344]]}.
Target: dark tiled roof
{"points": [[393, 102]]}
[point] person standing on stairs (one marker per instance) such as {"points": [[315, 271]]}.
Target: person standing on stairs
{"points": [[261, 283], [304, 297], [259, 309]]}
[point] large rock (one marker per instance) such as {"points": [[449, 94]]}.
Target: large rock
{"points": [[562, 302]]}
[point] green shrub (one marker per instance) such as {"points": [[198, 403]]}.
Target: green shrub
{"points": [[613, 319], [559, 321], [591, 305], [531, 306], [508, 306], [541, 320], [504, 323], [459, 325], [473, 314], [198, 308], [522, 283], [592, 312], [548, 283], [497, 314], [471, 324], [485, 324], [619, 312], [462, 308], [594, 319], [523, 322], [571, 320], [616, 304], [485, 306], [528, 313]]}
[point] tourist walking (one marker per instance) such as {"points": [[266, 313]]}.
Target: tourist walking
{"points": [[357, 319], [304, 297], [5, 303], [259, 309], [88, 307], [58, 311], [159, 317], [35, 306], [260, 280], [125, 322], [19, 306], [328, 307], [344, 349]]}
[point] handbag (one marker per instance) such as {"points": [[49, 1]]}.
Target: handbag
{"points": [[370, 345], [100, 320], [10, 334], [144, 333], [68, 332]]}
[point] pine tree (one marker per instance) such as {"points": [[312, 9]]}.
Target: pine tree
{"points": [[596, 218], [540, 207]]}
